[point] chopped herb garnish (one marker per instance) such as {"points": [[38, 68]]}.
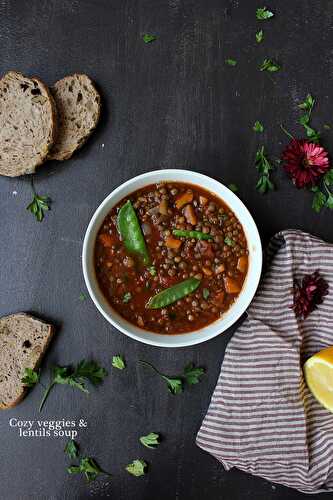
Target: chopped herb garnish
{"points": [[205, 293], [75, 377], [39, 205], [263, 13], [304, 120], [137, 468], [327, 126], [30, 377], [264, 168], [148, 38], [88, 467], [127, 297], [258, 127], [151, 440], [82, 296], [71, 449], [231, 62], [190, 375], [270, 66], [259, 36], [152, 270], [228, 241], [233, 188], [118, 362]]}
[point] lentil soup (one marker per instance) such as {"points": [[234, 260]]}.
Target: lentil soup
{"points": [[171, 258]]}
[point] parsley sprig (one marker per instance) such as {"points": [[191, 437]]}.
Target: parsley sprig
{"points": [[259, 36], [71, 449], [75, 377], [262, 13], [264, 168], [39, 205], [137, 467], [149, 38], [258, 127], [304, 120], [270, 66], [118, 362], [88, 467], [231, 62], [30, 377], [323, 195], [191, 375]]}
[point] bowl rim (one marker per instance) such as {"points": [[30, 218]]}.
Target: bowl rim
{"points": [[184, 339]]}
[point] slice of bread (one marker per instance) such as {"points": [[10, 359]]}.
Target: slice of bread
{"points": [[23, 341], [27, 124], [79, 105]]}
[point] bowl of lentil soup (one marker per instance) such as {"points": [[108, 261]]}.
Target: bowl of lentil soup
{"points": [[172, 258]]}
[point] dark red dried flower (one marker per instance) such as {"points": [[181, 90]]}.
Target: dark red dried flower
{"points": [[305, 162], [309, 294]]}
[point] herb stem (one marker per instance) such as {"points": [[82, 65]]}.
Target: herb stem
{"points": [[286, 132], [46, 393], [151, 366]]}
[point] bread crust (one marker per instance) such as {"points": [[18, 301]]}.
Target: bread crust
{"points": [[51, 331]]}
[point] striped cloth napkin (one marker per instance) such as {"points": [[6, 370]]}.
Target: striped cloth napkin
{"points": [[262, 418]]}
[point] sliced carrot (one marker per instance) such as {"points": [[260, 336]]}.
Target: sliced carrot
{"points": [[219, 298], [172, 243], [242, 264], [189, 214], [231, 285], [207, 271], [183, 199], [106, 240]]}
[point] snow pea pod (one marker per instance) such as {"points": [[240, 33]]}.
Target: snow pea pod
{"points": [[174, 293], [130, 231], [192, 234]]}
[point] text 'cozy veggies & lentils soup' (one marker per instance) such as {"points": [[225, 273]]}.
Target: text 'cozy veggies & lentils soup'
{"points": [[171, 258]]}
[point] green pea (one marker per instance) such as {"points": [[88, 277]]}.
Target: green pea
{"points": [[130, 231], [174, 293], [192, 234]]}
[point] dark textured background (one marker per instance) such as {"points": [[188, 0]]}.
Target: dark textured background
{"points": [[173, 103]]}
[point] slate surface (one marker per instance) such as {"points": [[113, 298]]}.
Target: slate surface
{"points": [[173, 103]]}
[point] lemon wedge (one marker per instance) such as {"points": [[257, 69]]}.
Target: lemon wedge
{"points": [[318, 371]]}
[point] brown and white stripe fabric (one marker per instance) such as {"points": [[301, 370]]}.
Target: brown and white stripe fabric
{"points": [[262, 418]]}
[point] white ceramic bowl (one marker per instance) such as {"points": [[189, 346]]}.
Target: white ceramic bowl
{"points": [[250, 284]]}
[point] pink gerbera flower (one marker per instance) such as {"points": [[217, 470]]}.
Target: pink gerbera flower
{"points": [[305, 162]]}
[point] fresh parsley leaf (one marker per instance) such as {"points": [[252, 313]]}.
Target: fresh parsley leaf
{"points": [[192, 374], [151, 440], [175, 384], [308, 103], [30, 377], [270, 66], [319, 200], [39, 205], [205, 293], [328, 177], [148, 38], [258, 127], [82, 296], [329, 201], [263, 13], [233, 188], [118, 362], [127, 297], [259, 36], [264, 168], [75, 377], [71, 449], [88, 467], [137, 467], [231, 62], [304, 120], [228, 241]]}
